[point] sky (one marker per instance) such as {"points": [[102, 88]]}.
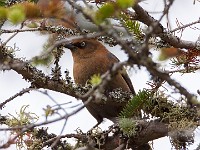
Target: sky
{"points": [[30, 45]]}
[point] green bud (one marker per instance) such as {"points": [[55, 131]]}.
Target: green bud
{"points": [[123, 4], [95, 79], [104, 12], [16, 14]]}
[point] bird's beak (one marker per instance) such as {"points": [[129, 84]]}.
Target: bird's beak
{"points": [[69, 46]]}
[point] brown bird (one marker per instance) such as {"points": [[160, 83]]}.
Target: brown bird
{"points": [[91, 57]]}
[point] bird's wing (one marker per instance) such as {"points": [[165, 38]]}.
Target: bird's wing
{"points": [[128, 80], [123, 73]]}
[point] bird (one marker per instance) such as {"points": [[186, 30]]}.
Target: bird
{"points": [[90, 58]]}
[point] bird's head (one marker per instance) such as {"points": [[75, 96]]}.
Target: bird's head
{"points": [[84, 48]]}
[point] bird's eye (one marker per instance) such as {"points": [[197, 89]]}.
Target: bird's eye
{"points": [[82, 44]]}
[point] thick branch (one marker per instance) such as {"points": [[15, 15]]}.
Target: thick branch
{"points": [[149, 131]]}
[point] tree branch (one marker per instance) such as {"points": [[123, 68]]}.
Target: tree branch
{"points": [[145, 18]]}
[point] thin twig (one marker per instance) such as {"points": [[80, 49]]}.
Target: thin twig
{"points": [[185, 26], [22, 92]]}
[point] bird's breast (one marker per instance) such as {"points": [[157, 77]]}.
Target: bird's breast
{"points": [[85, 69]]}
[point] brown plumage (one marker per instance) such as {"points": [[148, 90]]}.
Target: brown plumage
{"points": [[91, 57]]}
